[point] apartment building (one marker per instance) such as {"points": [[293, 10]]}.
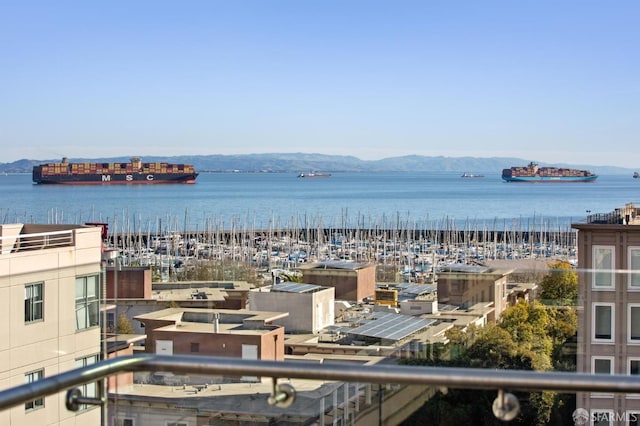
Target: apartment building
{"points": [[609, 310], [49, 314]]}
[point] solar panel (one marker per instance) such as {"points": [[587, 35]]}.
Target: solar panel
{"points": [[295, 287], [447, 308], [417, 289], [340, 264], [391, 326]]}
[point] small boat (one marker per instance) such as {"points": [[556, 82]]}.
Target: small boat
{"points": [[636, 175], [314, 175], [471, 175]]}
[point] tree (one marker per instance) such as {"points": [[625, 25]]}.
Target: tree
{"points": [[560, 285], [529, 336], [527, 324], [292, 277], [563, 324], [123, 326], [493, 348]]}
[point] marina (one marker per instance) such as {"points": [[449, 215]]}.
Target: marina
{"points": [[414, 253]]}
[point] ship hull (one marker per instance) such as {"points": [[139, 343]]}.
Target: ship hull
{"points": [[115, 179]]}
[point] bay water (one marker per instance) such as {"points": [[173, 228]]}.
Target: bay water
{"points": [[423, 200]]}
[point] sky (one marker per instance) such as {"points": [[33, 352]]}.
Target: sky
{"points": [[545, 80]]}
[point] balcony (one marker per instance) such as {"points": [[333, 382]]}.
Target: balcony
{"points": [[22, 238]]}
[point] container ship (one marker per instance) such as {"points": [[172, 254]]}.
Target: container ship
{"points": [[133, 172], [533, 173]]}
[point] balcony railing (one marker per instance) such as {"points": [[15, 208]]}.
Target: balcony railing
{"points": [[505, 407], [36, 241], [627, 215]]}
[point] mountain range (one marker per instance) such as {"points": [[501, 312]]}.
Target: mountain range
{"points": [[304, 162]]}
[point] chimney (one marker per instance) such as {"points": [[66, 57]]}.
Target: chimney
{"points": [[216, 322]]}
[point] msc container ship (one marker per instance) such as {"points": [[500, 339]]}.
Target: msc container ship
{"points": [[533, 173], [133, 172]]}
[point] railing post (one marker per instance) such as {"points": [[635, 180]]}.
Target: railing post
{"points": [[75, 399]]}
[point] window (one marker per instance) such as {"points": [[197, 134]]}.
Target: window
{"points": [[603, 327], [195, 347], [633, 418], [33, 303], [633, 323], [603, 274], [89, 390], [111, 322], [123, 421], [634, 265], [602, 365], [177, 424], [602, 417], [87, 302], [34, 376]]}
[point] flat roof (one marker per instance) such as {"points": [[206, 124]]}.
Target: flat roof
{"points": [[206, 315], [288, 287], [212, 294], [335, 264], [460, 267]]}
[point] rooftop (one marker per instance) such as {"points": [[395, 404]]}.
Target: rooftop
{"points": [[16, 238], [627, 215], [200, 320], [335, 264]]}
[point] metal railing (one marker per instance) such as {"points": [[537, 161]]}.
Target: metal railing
{"points": [[505, 407], [36, 241]]}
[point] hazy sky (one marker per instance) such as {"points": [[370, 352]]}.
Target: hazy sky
{"points": [[552, 81]]}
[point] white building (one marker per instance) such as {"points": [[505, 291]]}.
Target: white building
{"points": [[310, 306], [49, 314]]}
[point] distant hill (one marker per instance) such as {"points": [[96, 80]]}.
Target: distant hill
{"points": [[299, 162]]}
